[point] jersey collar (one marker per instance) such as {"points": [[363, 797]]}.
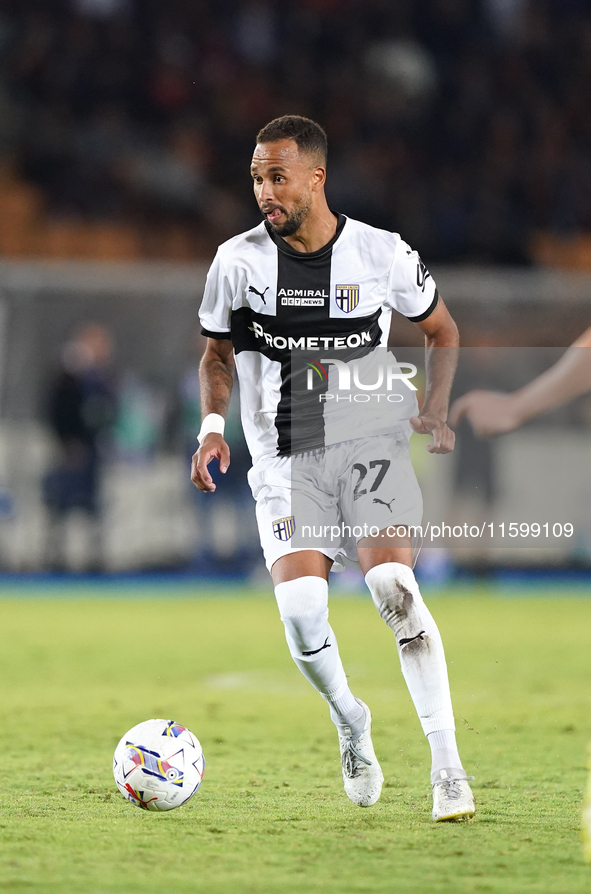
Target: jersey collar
{"points": [[286, 248]]}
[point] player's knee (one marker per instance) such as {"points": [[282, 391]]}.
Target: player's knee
{"points": [[396, 595], [303, 606]]}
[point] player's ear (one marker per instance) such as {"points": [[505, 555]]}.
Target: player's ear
{"points": [[318, 177]]}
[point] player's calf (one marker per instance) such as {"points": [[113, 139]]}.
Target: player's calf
{"points": [[303, 606], [396, 595], [397, 598]]}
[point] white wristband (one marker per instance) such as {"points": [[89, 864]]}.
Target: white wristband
{"points": [[213, 422]]}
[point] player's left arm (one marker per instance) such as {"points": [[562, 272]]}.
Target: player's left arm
{"points": [[441, 358]]}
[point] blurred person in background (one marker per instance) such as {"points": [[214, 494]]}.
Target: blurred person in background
{"points": [[494, 413], [81, 412], [112, 108]]}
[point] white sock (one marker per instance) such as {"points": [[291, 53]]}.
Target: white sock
{"points": [[303, 606], [444, 752], [396, 595]]}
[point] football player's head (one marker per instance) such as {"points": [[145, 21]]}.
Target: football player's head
{"points": [[289, 171]]}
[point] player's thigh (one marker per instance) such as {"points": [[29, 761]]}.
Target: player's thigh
{"points": [[379, 489], [281, 538], [301, 563], [372, 551]]}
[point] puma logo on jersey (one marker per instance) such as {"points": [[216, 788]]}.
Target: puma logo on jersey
{"points": [[383, 502], [260, 294]]}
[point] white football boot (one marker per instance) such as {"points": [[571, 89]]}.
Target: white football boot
{"points": [[362, 774], [452, 797]]}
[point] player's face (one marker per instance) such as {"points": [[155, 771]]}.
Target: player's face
{"points": [[284, 180]]}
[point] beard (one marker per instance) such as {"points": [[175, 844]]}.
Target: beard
{"points": [[294, 219]]}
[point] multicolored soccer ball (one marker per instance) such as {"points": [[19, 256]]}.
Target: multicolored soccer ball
{"points": [[158, 765]]}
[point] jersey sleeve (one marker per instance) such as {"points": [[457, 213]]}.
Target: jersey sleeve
{"points": [[411, 289], [216, 307]]}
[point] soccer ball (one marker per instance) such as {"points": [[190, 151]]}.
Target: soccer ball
{"points": [[158, 765]]}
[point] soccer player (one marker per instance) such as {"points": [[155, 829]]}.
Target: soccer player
{"points": [[309, 278]]}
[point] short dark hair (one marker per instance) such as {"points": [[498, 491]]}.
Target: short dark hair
{"points": [[307, 134]]}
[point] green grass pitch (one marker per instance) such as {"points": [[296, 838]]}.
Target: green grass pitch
{"points": [[271, 815]]}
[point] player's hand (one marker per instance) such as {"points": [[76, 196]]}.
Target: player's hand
{"points": [[213, 447], [488, 412], [428, 424]]}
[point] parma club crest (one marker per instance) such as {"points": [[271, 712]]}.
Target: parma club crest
{"points": [[283, 528], [347, 297]]}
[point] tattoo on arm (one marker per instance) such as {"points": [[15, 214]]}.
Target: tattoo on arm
{"points": [[216, 376]]}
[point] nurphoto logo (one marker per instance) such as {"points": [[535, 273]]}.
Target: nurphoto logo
{"points": [[386, 375]]}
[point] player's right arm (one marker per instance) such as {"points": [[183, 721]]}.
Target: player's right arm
{"points": [[216, 373], [493, 413], [216, 377]]}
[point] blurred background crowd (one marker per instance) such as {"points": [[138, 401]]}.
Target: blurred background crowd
{"points": [[126, 130], [125, 125]]}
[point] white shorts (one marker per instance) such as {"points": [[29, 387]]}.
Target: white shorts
{"points": [[330, 499]]}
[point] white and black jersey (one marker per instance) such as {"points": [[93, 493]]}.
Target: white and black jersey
{"points": [[274, 302]]}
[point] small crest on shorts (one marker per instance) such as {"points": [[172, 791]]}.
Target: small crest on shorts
{"points": [[283, 528], [347, 297]]}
